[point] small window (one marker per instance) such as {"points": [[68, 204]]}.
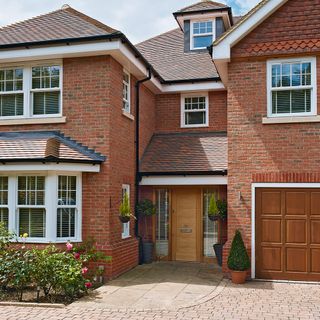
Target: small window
{"points": [[67, 210], [202, 34], [4, 210], [126, 92], [31, 204], [194, 111], [46, 90], [125, 226], [292, 88], [11, 92]]}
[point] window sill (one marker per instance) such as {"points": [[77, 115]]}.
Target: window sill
{"points": [[22, 121], [295, 119], [124, 238], [128, 115]]}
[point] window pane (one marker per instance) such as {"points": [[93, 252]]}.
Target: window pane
{"points": [[282, 101], [67, 194], [45, 77], [301, 101], [11, 105], [46, 103], [202, 41], [33, 222], [3, 190], [4, 217], [11, 80], [31, 190], [66, 222], [296, 74], [193, 118], [286, 75]]}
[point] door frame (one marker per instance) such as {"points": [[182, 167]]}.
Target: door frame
{"points": [[271, 185]]}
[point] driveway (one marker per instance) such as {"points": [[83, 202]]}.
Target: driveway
{"points": [[254, 300]]}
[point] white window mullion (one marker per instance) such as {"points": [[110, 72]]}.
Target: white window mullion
{"points": [[51, 196], [27, 83], [78, 220], [12, 187]]}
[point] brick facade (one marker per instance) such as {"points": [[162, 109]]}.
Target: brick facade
{"points": [[267, 153]]}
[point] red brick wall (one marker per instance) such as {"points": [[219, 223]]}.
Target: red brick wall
{"points": [[266, 153], [168, 113], [291, 29]]}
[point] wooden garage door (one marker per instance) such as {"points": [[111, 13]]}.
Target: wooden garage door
{"points": [[288, 234]]}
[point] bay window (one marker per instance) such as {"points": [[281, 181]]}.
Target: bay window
{"points": [[31, 91], [292, 87], [46, 207]]}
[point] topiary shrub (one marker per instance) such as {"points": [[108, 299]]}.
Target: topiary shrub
{"points": [[213, 211], [238, 259]]}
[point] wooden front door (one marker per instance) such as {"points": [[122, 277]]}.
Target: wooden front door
{"points": [[186, 206], [288, 234]]}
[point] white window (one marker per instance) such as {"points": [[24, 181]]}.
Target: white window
{"points": [[31, 91], [194, 111], [126, 92], [46, 207], [292, 87], [202, 34], [125, 226]]}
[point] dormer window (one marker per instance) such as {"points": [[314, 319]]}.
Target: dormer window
{"points": [[202, 34]]}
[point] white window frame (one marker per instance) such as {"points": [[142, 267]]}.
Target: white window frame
{"points": [[51, 205], [128, 85], [192, 35], [6, 206], [313, 86], [27, 89], [183, 111], [125, 226]]}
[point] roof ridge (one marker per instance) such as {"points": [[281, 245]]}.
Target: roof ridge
{"points": [[157, 36], [212, 2]]}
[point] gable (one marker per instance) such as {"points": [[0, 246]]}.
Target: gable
{"points": [[293, 28]]}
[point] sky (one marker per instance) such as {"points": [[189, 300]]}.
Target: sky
{"points": [[137, 19]]}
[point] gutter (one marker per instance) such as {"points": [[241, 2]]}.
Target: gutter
{"points": [[184, 173], [137, 143]]}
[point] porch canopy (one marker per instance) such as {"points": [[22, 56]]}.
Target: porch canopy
{"points": [[175, 157], [44, 148]]}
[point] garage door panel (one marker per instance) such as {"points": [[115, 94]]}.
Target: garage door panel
{"points": [[296, 260], [315, 232], [296, 231], [315, 260], [271, 230], [315, 203], [296, 203], [271, 259], [271, 203]]}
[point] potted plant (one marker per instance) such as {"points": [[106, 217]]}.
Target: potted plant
{"points": [[146, 209], [222, 214], [238, 260], [213, 212], [125, 212]]}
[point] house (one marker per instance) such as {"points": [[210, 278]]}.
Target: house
{"points": [[86, 116]]}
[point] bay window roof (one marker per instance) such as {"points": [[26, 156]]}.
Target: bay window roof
{"points": [[44, 146]]}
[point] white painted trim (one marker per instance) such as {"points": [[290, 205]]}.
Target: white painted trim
{"points": [[313, 86], [254, 186], [183, 111], [191, 87], [183, 180], [32, 167], [222, 49], [128, 85], [22, 121], [279, 120], [192, 35]]}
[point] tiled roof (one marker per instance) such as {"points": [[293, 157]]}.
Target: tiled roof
{"points": [[44, 146], [187, 152], [203, 5], [66, 23], [166, 54]]}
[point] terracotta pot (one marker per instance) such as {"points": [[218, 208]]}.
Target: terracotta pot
{"points": [[238, 277], [124, 219]]}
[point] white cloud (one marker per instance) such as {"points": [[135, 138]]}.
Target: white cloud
{"points": [[138, 19]]}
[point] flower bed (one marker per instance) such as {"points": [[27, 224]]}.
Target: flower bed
{"points": [[48, 274]]}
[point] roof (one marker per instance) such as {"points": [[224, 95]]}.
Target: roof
{"points": [[166, 54], [186, 153], [44, 146], [202, 6], [66, 23]]}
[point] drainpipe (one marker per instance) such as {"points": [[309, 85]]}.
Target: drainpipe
{"points": [[137, 145]]}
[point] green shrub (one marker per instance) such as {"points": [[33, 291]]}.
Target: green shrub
{"points": [[238, 259], [222, 208], [146, 208]]}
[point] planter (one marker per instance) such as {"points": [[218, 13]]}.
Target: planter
{"points": [[124, 219], [213, 218], [218, 250], [147, 248], [238, 277]]}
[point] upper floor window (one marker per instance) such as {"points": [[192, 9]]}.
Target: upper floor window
{"points": [[202, 34], [292, 87], [126, 92], [194, 111], [30, 91]]}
